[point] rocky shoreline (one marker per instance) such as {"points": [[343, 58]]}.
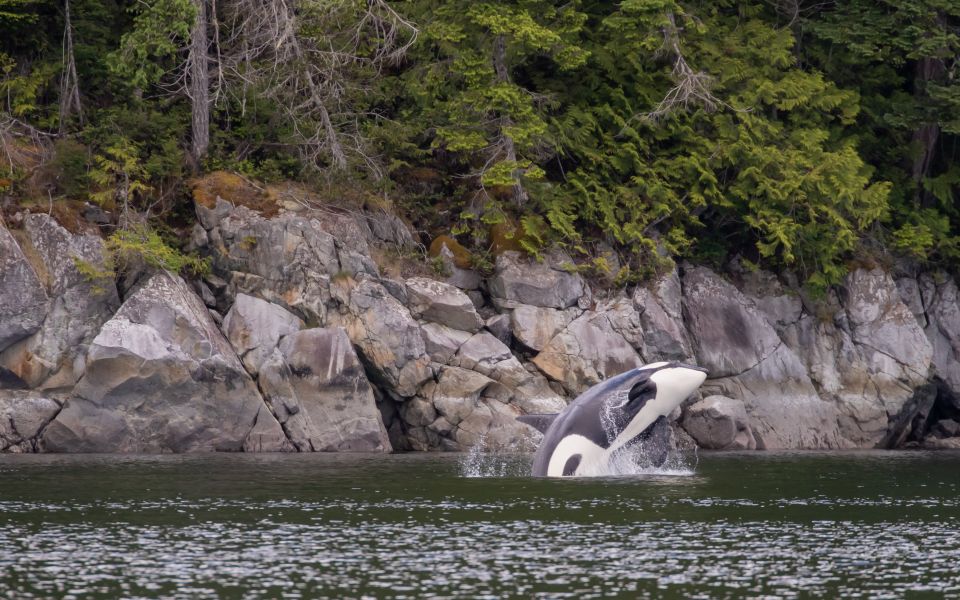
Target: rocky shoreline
{"points": [[298, 341]]}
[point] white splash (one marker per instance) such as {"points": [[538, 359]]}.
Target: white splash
{"points": [[480, 462]]}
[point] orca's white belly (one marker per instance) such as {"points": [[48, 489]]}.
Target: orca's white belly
{"points": [[575, 445]]}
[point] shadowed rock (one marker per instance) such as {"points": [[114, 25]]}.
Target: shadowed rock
{"points": [[23, 301]]}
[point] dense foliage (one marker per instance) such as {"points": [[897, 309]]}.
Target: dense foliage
{"points": [[795, 134]]}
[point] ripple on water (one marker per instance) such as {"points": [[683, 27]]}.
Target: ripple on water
{"points": [[257, 528]]}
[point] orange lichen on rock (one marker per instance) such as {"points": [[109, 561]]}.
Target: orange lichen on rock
{"points": [[234, 189], [461, 256]]}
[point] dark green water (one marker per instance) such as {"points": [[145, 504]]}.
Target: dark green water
{"points": [[869, 525]]}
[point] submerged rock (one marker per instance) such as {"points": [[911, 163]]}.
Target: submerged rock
{"points": [[161, 377]]}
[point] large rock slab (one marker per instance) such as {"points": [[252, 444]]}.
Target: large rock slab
{"points": [[23, 415], [321, 396], [254, 328], [730, 334], [747, 361], [161, 377], [588, 351], [866, 352], [389, 339], [23, 300], [547, 284], [442, 303], [82, 297], [893, 341]]}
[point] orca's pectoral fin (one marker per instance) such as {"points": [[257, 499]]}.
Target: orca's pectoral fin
{"points": [[539, 422]]}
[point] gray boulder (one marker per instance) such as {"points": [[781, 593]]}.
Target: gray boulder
{"points": [[161, 377], [23, 300], [442, 303], [82, 297], [534, 326], [320, 394], [586, 352], [254, 328], [23, 415], [389, 340], [548, 284], [442, 343], [719, 423], [463, 409]]}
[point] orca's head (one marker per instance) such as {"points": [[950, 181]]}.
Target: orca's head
{"points": [[655, 391]]}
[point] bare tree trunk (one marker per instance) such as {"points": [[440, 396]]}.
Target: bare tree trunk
{"points": [[925, 138], [199, 83], [510, 150], [69, 83]]}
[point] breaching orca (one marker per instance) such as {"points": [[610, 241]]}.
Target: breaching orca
{"points": [[630, 407]]}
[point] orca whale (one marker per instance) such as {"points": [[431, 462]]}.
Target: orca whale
{"points": [[612, 415]]}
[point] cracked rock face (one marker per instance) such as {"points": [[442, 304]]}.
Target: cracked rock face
{"points": [[160, 377], [661, 319], [730, 334], [254, 328], [288, 259], [23, 415], [868, 354], [318, 389], [23, 300], [747, 361], [79, 304], [387, 336]]}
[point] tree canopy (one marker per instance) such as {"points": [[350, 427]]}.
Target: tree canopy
{"points": [[796, 135]]}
